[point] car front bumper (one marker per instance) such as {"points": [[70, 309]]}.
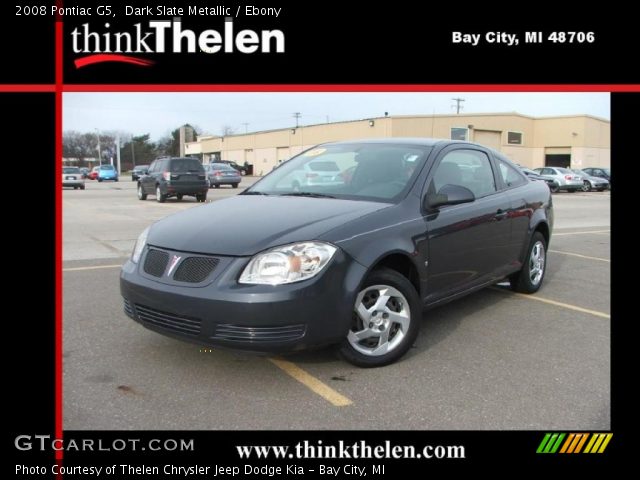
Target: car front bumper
{"points": [[259, 318]]}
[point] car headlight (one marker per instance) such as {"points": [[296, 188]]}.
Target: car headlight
{"points": [[139, 246], [287, 264]]}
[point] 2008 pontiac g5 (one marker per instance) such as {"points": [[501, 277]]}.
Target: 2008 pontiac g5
{"points": [[386, 228]]}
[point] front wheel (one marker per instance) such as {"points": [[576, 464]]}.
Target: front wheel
{"points": [[529, 278], [586, 186], [385, 321]]}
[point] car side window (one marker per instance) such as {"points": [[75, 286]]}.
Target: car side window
{"points": [[152, 167], [510, 176], [468, 168], [546, 171]]}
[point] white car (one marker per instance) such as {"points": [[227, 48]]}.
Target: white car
{"points": [[322, 172], [72, 177]]}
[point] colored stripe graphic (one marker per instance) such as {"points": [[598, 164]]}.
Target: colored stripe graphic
{"points": [[574, 442], [100, 58]]}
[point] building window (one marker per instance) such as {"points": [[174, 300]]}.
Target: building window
{"points": [[459, 133], [514, 138]]}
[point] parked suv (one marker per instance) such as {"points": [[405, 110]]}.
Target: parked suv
{"points": [[138, 171], [174, 177]]}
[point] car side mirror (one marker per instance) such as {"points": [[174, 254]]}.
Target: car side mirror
{"points": [[449, 195]]}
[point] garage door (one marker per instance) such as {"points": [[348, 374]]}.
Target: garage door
{"points": [[557, 160], [488, 138]]}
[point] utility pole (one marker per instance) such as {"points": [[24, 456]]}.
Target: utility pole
{"points": [[118, 154], [297, 116], [246, 127], [133, 152], [99, 149], [458, 105]]}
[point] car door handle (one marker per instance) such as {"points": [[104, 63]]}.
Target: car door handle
{"points": [[500, 214]]}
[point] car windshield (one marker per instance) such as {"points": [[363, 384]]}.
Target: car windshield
{"points": [[106, 167], [361, 171], [70, 170], [607, 171]]}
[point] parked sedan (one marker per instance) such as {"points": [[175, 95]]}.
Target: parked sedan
{"points": [[567, 180], [138, 171], [590, 182], [551, 182], [599, 172], [107, 172], [72, 177], [93, 175], [421, 222], [222, 174]]}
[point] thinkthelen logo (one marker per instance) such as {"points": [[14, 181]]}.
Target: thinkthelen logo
{"points": [[168, 36], [574, 443]]}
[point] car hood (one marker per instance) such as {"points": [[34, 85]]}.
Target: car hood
{"points": [[244, 225]]}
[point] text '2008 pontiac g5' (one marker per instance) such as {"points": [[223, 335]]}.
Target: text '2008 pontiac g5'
{"points": [[344, 244]]}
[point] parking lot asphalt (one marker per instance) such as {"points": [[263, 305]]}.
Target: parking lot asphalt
{"points": [[493, 360]]}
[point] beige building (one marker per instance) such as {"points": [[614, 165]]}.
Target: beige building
{"points": [[578, 141]]}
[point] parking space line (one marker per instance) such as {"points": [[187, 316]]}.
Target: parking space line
{"points": [[568, 306], [94, 267], [311, 382], [586, 232], [571, 254]]}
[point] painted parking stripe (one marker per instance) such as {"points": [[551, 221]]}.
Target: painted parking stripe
{"points": [[94, 267], [548, 301], [311, 382], [586, 232], [571, 254]]}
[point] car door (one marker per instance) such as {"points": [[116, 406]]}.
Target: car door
{"points": [[467, 243], [147, 180]]}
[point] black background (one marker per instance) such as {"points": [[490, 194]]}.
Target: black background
{"points": [[326, 43]]}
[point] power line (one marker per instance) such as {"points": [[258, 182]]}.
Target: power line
{"points": [[297, 116]]}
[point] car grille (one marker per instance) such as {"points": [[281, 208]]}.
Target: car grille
{"points": [[236, 333], [156, 262], [168, 321], [127, 308], [195, 269]]}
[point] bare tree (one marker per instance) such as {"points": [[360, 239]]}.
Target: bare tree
{"points": [[227, 130]]}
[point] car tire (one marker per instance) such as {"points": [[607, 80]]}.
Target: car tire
{"points": [[116, 180], [392, 327], [141, 194], [99, 180], [82, 187], [530, 277], [217, 185], [179, 197], [160, 197], [554, 189], [586, 186], [234, 185], [201, 197]]}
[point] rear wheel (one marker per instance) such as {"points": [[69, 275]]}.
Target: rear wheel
{"points": [[179, 197], [529, 278], [82, 187], [160, 198], [386, 320], [201, 197], [217, 185], [99, 180], [141, 194], [234, 185]]}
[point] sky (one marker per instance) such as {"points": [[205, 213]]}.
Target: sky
{"points": [[159, 113]]}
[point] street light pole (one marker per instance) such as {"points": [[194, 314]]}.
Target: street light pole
{"points": [[99, 149]]}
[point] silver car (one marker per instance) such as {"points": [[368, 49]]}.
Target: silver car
{"points": [[72, 177], [222, 174], [590, 182], [567, 180]]}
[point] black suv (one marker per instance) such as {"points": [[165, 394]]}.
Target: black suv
{"points": [[174, 177]]}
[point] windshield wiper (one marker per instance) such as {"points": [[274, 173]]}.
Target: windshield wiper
{"points": [[307, 194], [253, 192]]}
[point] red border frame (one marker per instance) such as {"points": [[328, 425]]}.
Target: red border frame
{"points": [[59, 88]]}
